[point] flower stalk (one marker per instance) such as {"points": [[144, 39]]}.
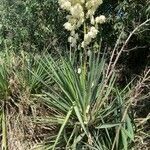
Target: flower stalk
{"points": [[82, 13]]}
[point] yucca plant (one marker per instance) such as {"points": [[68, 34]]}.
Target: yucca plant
{"points": [[87, 110]]}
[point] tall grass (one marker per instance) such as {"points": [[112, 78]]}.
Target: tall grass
{"points": [[17, 85]]}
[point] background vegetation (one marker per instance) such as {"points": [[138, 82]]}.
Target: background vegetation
{"points": [[33, 84]]}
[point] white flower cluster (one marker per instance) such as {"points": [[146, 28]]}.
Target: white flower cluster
{"points": [[101, 19], [79, 10], [93, 30], [73, 39], [91, 6], [89, 36]]}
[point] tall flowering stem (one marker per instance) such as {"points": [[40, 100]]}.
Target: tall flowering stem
{"points": [[82, 14]]}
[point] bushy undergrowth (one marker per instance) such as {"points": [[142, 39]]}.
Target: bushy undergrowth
{"points": [[53, 103]]}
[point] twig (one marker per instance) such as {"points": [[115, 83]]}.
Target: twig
{"points": [[113, 52], [134, 48], [122, 48], [138, 86]]}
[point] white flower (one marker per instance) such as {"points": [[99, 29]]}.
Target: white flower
{"points": [[101, 19], [76, 10], [90, 13], [72, 33], [80, 22], [73, 21], [68, 26], [92, 20], [92, 84], [96, 2], [73, 39], [70, 39], [82, 44], [82, 1], [66, 5], [88, 4], [87, 38], [79, 70], [76, 36], [91, 6], [74, 43], [61, 2], [93, 32]]}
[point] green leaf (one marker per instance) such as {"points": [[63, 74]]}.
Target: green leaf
{"points": [[62, 127], [104, 126], [80, 119], [124, 140]]}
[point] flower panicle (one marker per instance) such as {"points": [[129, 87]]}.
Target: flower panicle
{"points": [[79, 11]]}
